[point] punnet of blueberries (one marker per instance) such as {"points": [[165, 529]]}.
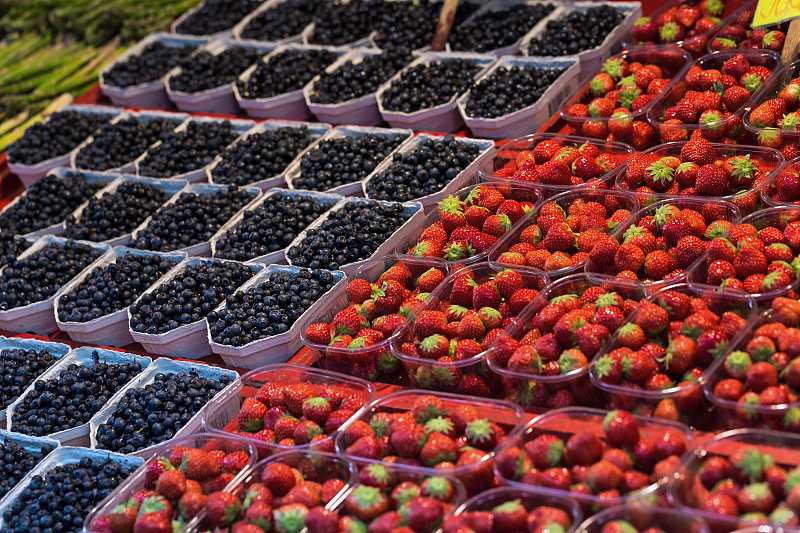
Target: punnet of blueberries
{"points": [[155, 412], [153, 62], [410, 25], [260, 156], [282, 20], [47, 202], [216, 15], [351, 233], [498, 28], [19, 368], [187, 150], [284, 72], [57, 136], [353, 80], [509, 89], [343, 22], [112, 287], [269, 227], [343, 160], [62, 499], [118, 144], [10, 247], [423, 170], [204, 70], [576, 31], [188, 297], [193, 218], [71, 399], [116, 213], [429, 85], [38, 276], [16, 461], [270, 308]]}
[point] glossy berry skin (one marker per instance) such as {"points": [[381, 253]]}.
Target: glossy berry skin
{"points": [[353, 80], [19, 368], [576, 31], [155, 412], [345, 22], [351, 233], [422, 171], [203, 70], [509, 89], [59, 135], [216, 15], [497, 28], [270, 227], [48, 202], [10, 247], [271, 307], [281, 21], [261, 155], [188, 297], [425, 86], [285, 72], [38, 276], [193, 218], [188, 150], [72, 398], [151, 64], [343, 160], [115, 145], [64, 496], [116, 213], [112, 288], [16, 461]]}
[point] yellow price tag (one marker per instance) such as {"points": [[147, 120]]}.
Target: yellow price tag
{"points": [[774, 11]]}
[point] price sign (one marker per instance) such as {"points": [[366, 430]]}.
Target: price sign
{"points": [[774, 11]]}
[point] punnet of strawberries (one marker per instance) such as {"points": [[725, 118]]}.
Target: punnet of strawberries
{"points": [[758, 255], [175, 484], [688, 23], [783, 187], [663, 240], [282, 494], [439, 432], [535, 159], [613, 104], [543, 361], [352, 334], [287, 406], [467, 225], [710, 99], [741, 479], [657, 361], [567, 230], [637, 517], [599, 458], [392, 498], [505, 509], [758, 382], [701, 168], [443, 341], [737, 32], [775, 118]]}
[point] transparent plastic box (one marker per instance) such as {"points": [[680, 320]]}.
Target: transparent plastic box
{"points": [[771, 89], [769, 193], [450, 376], [374, 360], [643, 517]]}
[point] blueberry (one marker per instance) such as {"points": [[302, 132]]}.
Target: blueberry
{"points": [[115, 145], [204, 70], [497, 28], [509, 89], [216, 15], [270, 227], [343, 22], [10, 247], [149, 65], [429, 85], [19, 367], [353, 80], [282, 21], [576, 31], [410, 25], [284, 72]]}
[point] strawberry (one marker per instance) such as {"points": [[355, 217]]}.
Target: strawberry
{"points": [[222, 508], [621, 429]]}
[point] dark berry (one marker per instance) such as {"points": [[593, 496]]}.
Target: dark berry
{"points": [[149, 65], [281, 21], [509, 89], [429, 85], [205, 70], [410, 25], [576, 31], [16, 461], [10, 247], [353, 80], [341, 23], [216, 15], [498, 28], [284, 72], [20, 367], [115, 145]]}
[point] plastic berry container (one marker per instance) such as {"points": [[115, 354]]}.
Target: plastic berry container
{"points": [[475, 475], [782, 178], [670, 58], [743, 16], [520, 192], [765, 58], [568, 421], [643, 517], [502, 165], [747, 200], [682, 398], [773, 217], [468, 375], [712, 211], [540, 390], [374, 361], [687, 493], [220, 416], [569, 203], [772, 137], [137, 480]]}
